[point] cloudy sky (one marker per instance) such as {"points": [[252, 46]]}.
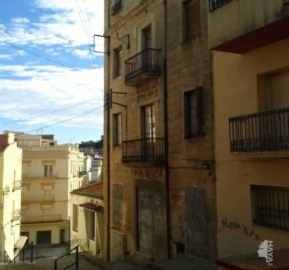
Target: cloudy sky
{"points": [[51, 81]]}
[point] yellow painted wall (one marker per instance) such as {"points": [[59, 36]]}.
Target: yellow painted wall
{"points": [[235, 82]]}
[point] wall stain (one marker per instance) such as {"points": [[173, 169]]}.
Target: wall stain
{"points": [[232, 225]]}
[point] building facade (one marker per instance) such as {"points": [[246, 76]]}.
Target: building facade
{"points": [[86, 228], [159, 182], [10, 198], [249, 42], [50, 172]]}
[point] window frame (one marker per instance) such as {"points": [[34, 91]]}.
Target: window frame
{"points": [[48, 170], [191, 21], [268, 204], [117, 62], [117, 129], [193, 127], [148, 128]]}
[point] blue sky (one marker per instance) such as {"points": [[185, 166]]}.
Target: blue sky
{"points": [[51, 81]]}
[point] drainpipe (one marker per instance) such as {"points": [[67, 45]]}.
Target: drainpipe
{"points": [[165, 92], [107, 40]]}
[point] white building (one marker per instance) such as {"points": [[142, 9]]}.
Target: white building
{"points": [[10, 197], [50, 172], [87, 219]]}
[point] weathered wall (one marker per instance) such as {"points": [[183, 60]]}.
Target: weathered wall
{"points": [[237, 92]]}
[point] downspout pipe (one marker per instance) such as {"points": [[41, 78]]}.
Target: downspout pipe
{"points": [[166, 132], [107, 41]]}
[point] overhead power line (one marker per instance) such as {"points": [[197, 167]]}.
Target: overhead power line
{"points": [[40, 56], [65, 120]]}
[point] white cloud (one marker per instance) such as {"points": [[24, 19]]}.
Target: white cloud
{"points": [[30, 92], [82, 53]]}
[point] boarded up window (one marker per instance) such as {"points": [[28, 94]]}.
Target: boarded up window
{"points": [[117, 205]]}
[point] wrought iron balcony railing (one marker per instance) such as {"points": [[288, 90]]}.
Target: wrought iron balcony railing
{"points": [[144, 151], [147, 62], [264, 131], [217, 3]]}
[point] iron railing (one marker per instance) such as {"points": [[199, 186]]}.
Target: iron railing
{"points": [[75, 263], [145, 62], [271, 207], [20, 257], [151, 150], [213, 4], [264, 131]]}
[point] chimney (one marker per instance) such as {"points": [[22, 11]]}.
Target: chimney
{"points": [[6, 139]]}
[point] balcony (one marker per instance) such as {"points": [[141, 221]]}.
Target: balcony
{"points": [[144, 151], [41, 219], [38, 199], [217, 3], [247, 30], [146, 64], [260, 132]]}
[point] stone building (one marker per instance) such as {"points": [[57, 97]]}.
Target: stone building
{"points": [[249, 42], [10, 198], [159, 182]]}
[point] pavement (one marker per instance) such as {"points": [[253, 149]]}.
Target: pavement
{"points": [[135, 262]]}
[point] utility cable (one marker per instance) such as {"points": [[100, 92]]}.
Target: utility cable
{"points": [[63, 121]]}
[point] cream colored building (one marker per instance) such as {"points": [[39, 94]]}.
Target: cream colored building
{"points": [[249, 42], [159, 182], [50, 172], [10, 197], [87, 219]]}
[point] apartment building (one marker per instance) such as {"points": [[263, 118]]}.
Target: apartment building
{"points": [[50, 171], [10, 198], [249, 42], [159, 182]]}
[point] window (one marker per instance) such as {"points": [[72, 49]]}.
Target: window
{"points": [[191, 19], [91, 225], [116, 7], [148, 122], [193, 113], [147, 38], [117, 132], [270, 206], [117, 62], [75, 217], [48, 170]]}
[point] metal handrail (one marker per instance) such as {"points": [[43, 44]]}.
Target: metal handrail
{"points": [[76, 263], [6, 256], [22, 251]]}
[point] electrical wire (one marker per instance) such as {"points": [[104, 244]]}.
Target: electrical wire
{"points": [[63, 121], [47, 113]]}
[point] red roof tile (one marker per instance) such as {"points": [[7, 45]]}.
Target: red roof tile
{"points": [[95, 190]]}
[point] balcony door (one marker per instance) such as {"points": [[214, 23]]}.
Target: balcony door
{"points": [[273, 98], [148, 131], [146, 45]]}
